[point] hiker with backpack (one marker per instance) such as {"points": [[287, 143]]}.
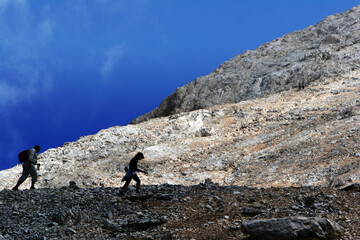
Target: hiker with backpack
{"points": [[29, 160], [131, 173]]}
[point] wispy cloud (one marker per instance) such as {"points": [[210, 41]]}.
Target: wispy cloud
{"points": [[46, 29], [22, 82], [112, 57], [8, 93], [19, 4], [22, 70], [3, 5]]}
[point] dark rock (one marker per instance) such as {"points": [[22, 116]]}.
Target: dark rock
{"points": [[353, 187], [309, 201], [251, 200], [235, 228], [109, 225], [240, 198], [292, 228], [73, 185], [250, 212], [144, 224], [70, 231], [163, 197], [59, 218], [166, 236], [139, 197]]}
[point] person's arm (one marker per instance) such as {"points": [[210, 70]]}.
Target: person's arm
{"points": [[139, 170], [33, 156]]}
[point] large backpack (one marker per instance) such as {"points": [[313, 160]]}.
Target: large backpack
{"points": [[23, 156]]}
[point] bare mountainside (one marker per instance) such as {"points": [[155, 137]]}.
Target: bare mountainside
{"points": [[292, 138], [325, 50], [279, 135]]}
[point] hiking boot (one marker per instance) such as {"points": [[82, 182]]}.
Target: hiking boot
{"points": [[15, 189]]}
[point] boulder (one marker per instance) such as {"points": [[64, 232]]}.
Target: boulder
{"points": [[292, 228]]}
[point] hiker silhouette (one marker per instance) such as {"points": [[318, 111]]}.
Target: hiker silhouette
{"points": [[131, 173], [30, 160]]}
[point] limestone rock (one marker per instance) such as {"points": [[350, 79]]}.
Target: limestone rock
{"points": [[292, 138], [325, 50]]}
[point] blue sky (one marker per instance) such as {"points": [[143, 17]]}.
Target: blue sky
{"points": [[70, 68]]}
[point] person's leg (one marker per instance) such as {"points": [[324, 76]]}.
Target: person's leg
{"points": [[23, 177], [138, 182], [123, 189], [34, 176]]}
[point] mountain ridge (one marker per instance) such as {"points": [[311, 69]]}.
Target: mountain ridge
{"points": [[301, 57]]}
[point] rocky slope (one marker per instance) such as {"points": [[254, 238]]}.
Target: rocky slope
{"points": [[292, 138], [325, 50], [306, 135], [203, 211]]}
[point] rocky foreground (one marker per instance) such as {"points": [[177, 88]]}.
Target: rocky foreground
{"points": [[203, 211]]}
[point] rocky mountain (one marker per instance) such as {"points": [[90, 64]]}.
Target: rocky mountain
{"points": [[272, 133], [292, 138], [307, 135], [325, 50]]}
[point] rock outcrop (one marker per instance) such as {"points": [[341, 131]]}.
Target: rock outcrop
{"points": [[292, 228], [326, 50]]}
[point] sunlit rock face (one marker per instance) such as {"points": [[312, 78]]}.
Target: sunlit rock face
{"points": [[292, 138], [286, 114], [325, 50]]}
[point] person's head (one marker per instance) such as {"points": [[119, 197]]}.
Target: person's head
{"points": [[37, 148], [139, 156]]}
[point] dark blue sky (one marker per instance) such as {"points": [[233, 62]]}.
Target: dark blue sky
{"points": [[71, 68]]}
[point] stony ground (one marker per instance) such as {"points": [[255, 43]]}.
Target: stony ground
{"points": [[203, 211]]}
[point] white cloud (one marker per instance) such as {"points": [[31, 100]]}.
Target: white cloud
{"points": [[23, 83], [22, 70], [46, 29], [112, 57], [8, 94], [4, 4], [20, 5]]}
